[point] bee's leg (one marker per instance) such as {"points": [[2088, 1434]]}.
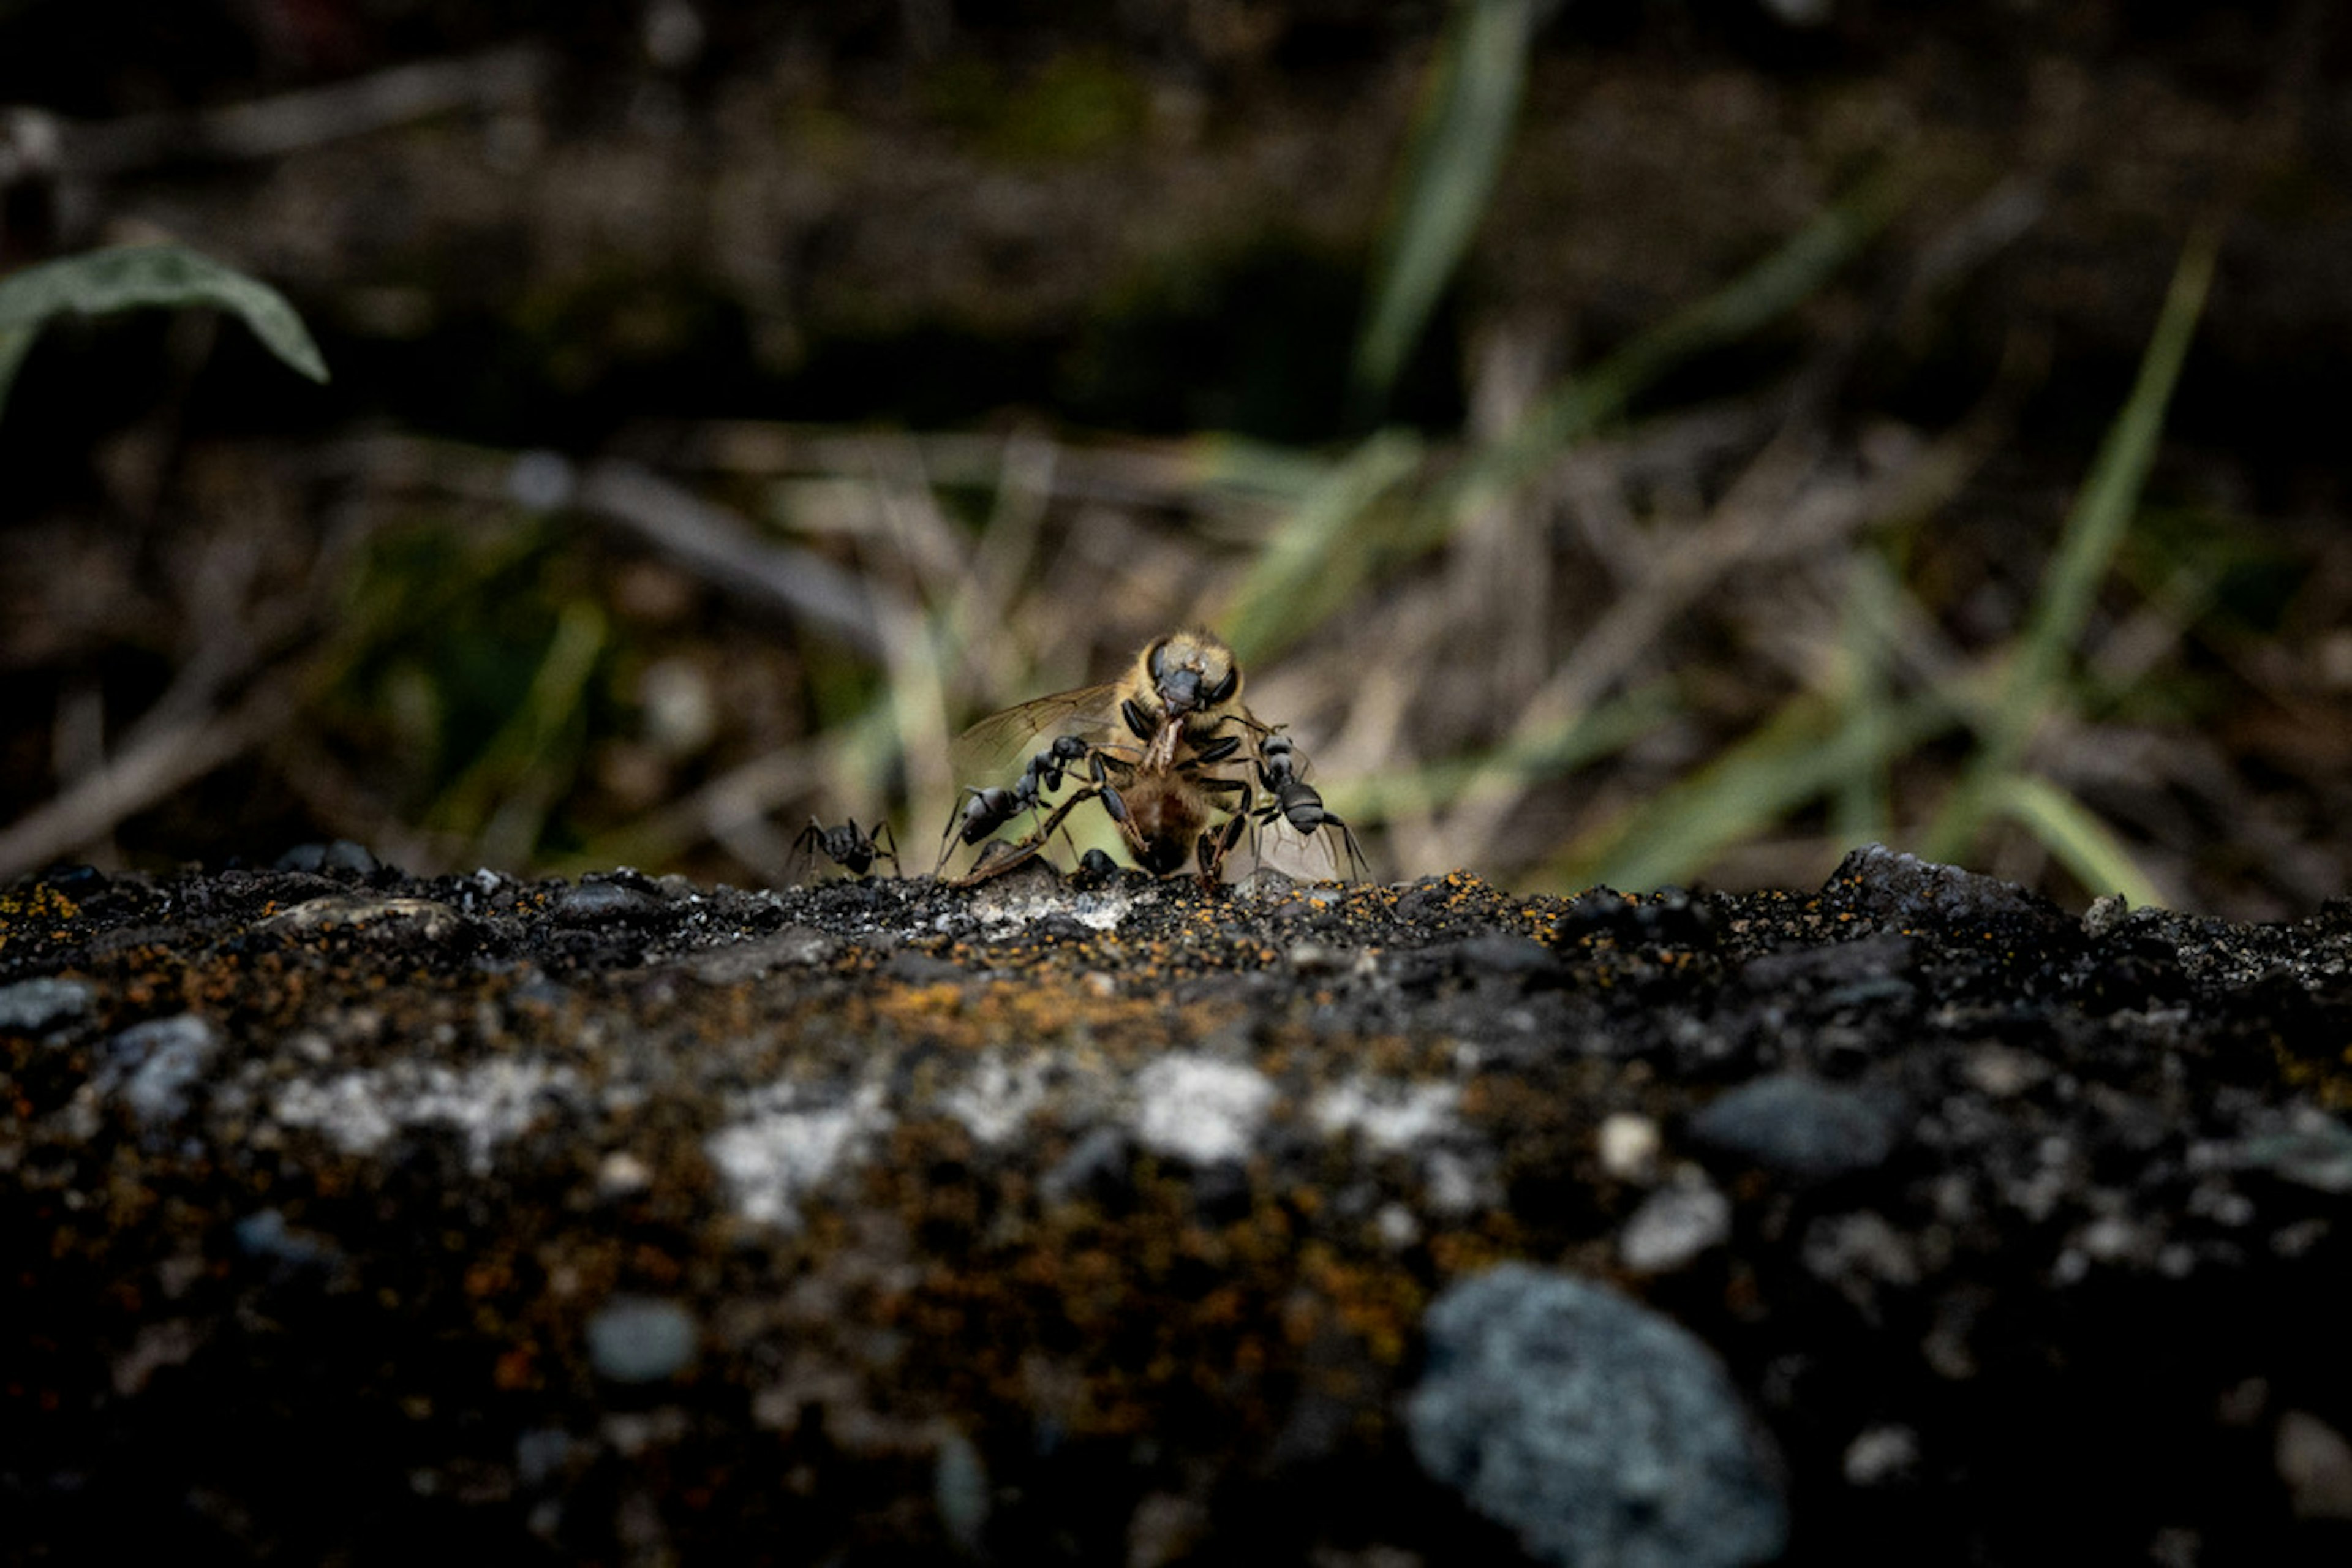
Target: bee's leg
{"points": [[1215, 843]]}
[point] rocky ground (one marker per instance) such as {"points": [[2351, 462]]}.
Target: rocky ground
{"points": [[355, 1218]]}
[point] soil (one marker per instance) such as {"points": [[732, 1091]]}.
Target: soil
{"points": [[356, 1216]]}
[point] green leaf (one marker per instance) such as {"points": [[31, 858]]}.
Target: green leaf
{"points": [[1456, 149], [137, 276]]}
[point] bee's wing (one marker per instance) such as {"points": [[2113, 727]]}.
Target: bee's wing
{"points": [[999, 743], [1302, 856]]}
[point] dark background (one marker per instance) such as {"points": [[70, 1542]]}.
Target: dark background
{"points": [[1034, 323]]}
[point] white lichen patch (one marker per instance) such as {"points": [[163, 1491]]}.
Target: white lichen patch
{"points": [[1421, 1122], [996, 1100], [488, 1103], [1200, 1109], [775, 1157], [1388, 1116]]}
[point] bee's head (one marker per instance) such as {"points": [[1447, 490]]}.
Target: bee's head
{"points": [[1191, 670]]}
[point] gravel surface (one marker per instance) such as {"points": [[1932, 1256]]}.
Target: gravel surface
{"points": [[353, 1216]]}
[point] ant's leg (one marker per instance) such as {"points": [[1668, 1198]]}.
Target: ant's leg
{"points": [[801, 865], [1356, 862], [886, 843], [1027, 848], [947, 834]]}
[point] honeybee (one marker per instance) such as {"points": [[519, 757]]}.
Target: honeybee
{"points": [[1165, 749]]}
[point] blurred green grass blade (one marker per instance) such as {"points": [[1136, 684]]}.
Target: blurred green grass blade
{"points": [[136, 276], [1307, 568], [1859, 807], [1525, 758], [2074, 835], [1236, 465], [520, 762], [2087, 544], [15, 343], [1767, 291], [1804, 752], [1335, 543], [1456, 147]]}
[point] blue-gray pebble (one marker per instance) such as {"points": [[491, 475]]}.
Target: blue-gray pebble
{"points": [[1798, 1127], [641, 1339], [1598, 1430]]}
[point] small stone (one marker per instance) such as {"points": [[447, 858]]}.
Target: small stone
{"points": [[1904, 889], [1313, 958], [1629, 1146], [959, 1491], [388, 920], [623, 1175], [1798, 1127], [43, 1003], [1596, 1429], [1881, 1454], [2315, 1463], [1673, 1226], [639, 1340], [2106, 912], [602, 904]]}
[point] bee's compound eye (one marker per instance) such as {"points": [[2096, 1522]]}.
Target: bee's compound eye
{"points": [[1152, 657], [1225, 687]]}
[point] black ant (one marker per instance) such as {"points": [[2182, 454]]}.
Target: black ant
{"points": [[1298, 803], [849, 846]]}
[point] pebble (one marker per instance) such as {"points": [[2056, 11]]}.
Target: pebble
{"points": [[959, 1491], [1595, 1428], [385, 919], [1881, 1454], [602, 903], [639, 1340], [2315, 1463], [1629, 1146], [1798, 1127], [1911, 892], [1673, 1226]]}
